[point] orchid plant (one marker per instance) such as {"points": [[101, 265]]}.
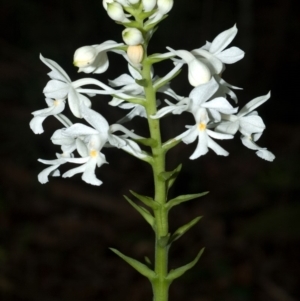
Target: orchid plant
{"points": [[209, 101]]}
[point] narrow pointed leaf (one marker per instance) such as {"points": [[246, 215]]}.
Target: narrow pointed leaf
{"points": [[174, 176], [184, 198], [170, 176], [173, 274], [158, 57], [147, 142], [140, 267], [151, 25], [163, 81], [164, 240], [183, 229], [148, 261], [144, 212], [141, 82], [146, 200]]}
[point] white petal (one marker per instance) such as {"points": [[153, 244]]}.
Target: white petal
{"points": [[122, 80], [217, 148], [79, 129], [202, 146], [217, 135], [221, 104], [249, 143], [36, 124], [74, 102], [228, 127], [231, 55], [96, 120], [215, 62], [56, 89], [253, 104], [222, 40], [265, 154], [202, 93], [189, 136], [134, 73], [43, 175], [70, 173], [89, 173], [55, 67], [134, 149], [251, 124]]}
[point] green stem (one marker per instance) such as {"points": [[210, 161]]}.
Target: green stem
{"points": [[160, 285]]}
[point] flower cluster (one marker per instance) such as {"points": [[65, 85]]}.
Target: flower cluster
{"points": [[215, 117]]}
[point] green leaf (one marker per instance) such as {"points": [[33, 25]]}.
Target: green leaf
{"points": [[131, 24], [140, 267], [183, 229], [163, 241], [147, 141], [153, 24], [174, 176], [170, 176], [148, 261], [143, 211], [141, 82], [158, 57], [184, 198], [146, 200], [145, 15], [159, 83], [173, 274]]}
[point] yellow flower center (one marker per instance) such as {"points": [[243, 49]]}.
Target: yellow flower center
{"points": [[202, 126], [93, 153], [56, 103]]}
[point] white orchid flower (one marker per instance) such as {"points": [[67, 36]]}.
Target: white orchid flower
{"points": [[106, 132], [246, 121], [204, 134], [198, 72], [131, 87], [91, 157], [214, 55], [262, 152], [94, 59], [197, 99], [60, 87], [55, 107]]}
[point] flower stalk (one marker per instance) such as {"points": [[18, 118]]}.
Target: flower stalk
{"points": [[84, 144]]}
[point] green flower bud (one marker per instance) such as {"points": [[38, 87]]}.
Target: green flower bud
{"points": [[132, 36]]}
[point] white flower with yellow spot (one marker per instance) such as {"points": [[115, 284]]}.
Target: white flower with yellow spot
{"points": [[205, 135]]}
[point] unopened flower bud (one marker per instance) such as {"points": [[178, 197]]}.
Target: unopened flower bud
{"points": [[148, 5], [104, 3], [84, 56], [198, 73], [115, 11], [135, 54], [164, 6], [132, 36]]}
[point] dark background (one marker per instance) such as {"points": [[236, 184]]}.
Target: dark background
{"points": [[54, 238]]}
